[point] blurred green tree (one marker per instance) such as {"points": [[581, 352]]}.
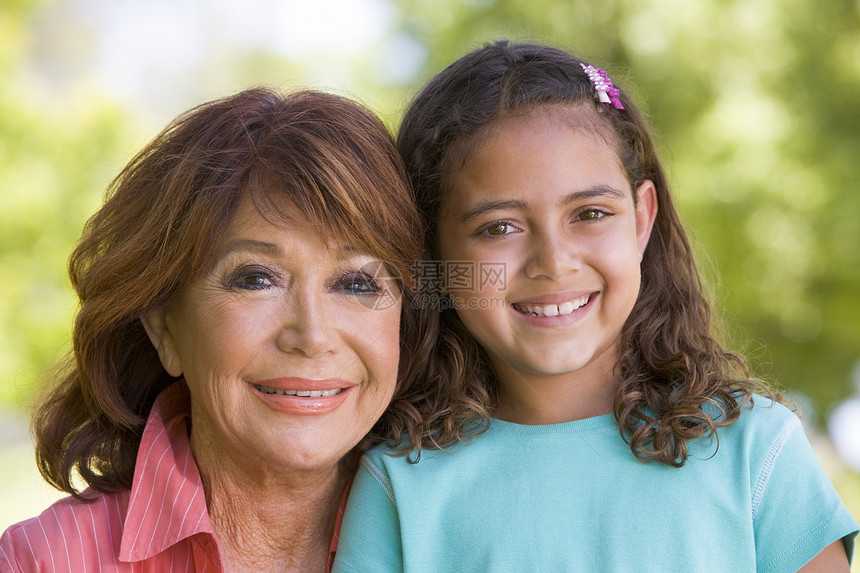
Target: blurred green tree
{"points": [[62, 140], [756, 104], [54, 162]]}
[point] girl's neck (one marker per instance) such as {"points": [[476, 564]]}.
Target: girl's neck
{"points": [[526, 398], [281, 524]]}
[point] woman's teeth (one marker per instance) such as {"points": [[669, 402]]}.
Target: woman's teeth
{"points": [[300, 393], [552, 309]]}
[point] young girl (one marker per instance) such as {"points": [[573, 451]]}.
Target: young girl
{"points": [[581, 416]]}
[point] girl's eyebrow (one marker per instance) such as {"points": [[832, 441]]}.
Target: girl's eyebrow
{"points": [[486, 206], [594, 192]]}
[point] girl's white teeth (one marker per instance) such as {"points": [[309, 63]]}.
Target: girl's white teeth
{"points": [[300, 393], [553, 309]]}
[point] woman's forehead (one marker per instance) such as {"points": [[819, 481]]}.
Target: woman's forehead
{"points": [[277, 211]]}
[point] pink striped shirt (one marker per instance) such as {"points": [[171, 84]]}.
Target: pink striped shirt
{"points": [[161, 525]]}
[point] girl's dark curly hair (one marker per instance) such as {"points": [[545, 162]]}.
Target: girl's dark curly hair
{"points": [[672, 372]]}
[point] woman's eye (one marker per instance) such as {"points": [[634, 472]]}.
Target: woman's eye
{"points": [[249, 279], [498, 229], [358, 283]]}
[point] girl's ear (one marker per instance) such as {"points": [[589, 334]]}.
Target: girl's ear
{"points": [[157, 328], [646, 213]]}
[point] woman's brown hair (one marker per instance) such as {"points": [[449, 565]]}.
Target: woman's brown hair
{"points": [[675, 381], [163, 217]]}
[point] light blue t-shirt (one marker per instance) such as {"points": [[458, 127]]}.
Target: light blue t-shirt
{"points": [[572, 497]]}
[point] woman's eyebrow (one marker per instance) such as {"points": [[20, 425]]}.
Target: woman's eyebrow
{"points": [[249, 245], [351, 252]]}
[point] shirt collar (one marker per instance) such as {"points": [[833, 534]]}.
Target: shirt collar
{"points": [[167, 502]]}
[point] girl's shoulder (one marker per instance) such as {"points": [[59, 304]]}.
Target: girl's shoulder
{"points": [[767, 416], [403, 450], [403, 456], [391, 452], [761, 431], [487, 441]]}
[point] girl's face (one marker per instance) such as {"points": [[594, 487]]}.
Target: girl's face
{"points": [[547, 203]]}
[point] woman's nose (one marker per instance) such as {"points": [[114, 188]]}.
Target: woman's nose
{"points": [[307, 325], [552, 256]]}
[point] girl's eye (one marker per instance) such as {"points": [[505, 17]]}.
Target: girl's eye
{"points": [[252, 279], [358, 284], [591, 215], [498, 229]]}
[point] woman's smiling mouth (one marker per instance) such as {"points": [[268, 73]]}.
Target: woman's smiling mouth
{"points": [[304, 396], [550, 310], [300, 393]]}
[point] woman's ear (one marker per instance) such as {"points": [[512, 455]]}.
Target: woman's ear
{"points": [[646, 213], [158, 330]]}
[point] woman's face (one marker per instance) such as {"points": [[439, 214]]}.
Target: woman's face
{"points": [[289, 344]]}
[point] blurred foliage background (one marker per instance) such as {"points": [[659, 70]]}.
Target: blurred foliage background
{"points": [[756, 105]]}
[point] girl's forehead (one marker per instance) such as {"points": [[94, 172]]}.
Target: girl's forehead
{"points": [[573, 122], [538, 160], [581, 118]]}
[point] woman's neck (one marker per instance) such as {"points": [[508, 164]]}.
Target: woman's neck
{"points": [[281, 524]]}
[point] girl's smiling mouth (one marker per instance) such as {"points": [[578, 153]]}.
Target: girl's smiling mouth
{"points": [[552, 309]]}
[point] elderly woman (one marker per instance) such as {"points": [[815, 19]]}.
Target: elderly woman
{"points": [[239, 334]]}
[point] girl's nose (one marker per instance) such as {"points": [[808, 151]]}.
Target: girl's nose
{"points": [[552, 256], [307, 325]]}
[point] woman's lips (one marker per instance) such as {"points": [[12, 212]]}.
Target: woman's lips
{"points": [[303, 396], [552, 309], [301, 393]]}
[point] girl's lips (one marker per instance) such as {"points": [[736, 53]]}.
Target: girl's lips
{"points": [[303, 396], [556, 306]]}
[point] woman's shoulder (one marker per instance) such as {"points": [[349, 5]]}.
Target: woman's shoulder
{"points": [[66, 529]]}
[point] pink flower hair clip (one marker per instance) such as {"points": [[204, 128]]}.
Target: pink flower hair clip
{"points": [[603, 85]]}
